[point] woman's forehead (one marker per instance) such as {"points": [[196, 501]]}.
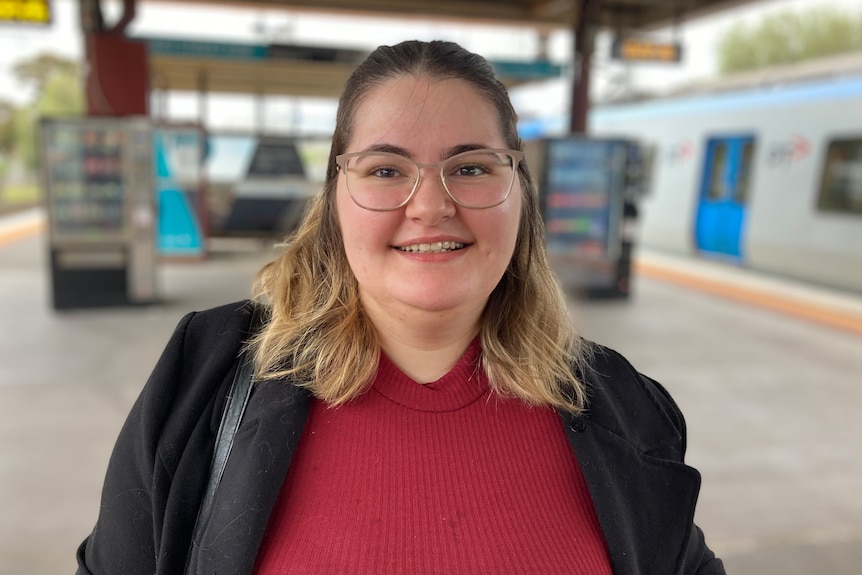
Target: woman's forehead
{"points": [[406, 111]]}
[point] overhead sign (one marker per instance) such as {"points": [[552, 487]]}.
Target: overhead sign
{"points": [[228, 50], [644, 50], [193, 48], [25, 11], [526, 70]]}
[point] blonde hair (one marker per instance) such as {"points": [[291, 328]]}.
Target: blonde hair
{"points": [[318, 334]]}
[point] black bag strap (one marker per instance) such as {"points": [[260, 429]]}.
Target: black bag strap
{"points": [[237, 399], [236, 402]]}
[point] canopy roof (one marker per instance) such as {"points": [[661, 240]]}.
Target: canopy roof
{"points": [[298, 71], [548, 14]]}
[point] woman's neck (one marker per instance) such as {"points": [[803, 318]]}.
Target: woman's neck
{"points": [[427, 345]]}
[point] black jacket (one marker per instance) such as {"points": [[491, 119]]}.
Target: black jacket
{"points": [[630, 447]]}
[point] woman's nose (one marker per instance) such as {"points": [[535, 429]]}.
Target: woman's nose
{"points": [[430, 202]]}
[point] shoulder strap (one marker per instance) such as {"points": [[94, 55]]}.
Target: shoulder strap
{"points": [[236, 401]]}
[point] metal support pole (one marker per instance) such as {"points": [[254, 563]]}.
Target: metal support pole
{"points": [[259, 114], [583, 52], [203, 88]]}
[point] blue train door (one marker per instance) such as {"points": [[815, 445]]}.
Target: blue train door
{"points": [[724, 189]]}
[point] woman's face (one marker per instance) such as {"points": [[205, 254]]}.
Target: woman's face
{"points": [[426, 120]]}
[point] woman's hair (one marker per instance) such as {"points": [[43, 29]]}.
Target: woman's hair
{"points": [[318, 333]]}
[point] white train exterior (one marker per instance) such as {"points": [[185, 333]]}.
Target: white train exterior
{"points": [[768, 177]]}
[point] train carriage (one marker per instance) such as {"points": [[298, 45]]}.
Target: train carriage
{"points": [[766, 175]]}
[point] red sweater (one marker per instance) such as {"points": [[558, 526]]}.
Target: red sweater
{"points": [[445, 477]]}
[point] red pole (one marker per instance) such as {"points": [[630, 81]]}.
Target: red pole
{"points": [[583, 53]]}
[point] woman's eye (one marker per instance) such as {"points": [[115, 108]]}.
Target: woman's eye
{"points": [[471, 170], [384, 172]]}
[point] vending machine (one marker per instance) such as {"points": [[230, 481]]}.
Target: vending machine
{"points": [[98, 183], [589, 189]]}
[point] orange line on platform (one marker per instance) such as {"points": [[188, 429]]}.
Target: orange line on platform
{"points": [[19, 232], [808, 311]]}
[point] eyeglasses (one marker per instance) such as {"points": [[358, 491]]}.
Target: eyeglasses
{"points": [[383, 181]]}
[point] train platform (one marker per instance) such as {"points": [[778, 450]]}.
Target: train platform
{"points": [[767, 371]]}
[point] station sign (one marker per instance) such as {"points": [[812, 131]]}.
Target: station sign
{"points": [[644, 50], [235, 51], [523, 71], [507, 70], [198, 49], [25, 12]]}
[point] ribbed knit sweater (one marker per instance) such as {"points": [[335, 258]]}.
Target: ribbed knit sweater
{"points": [[446, 477]]}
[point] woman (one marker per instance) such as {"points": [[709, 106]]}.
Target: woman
{"points": [[422, 403]]}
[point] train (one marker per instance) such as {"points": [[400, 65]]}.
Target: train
{"points": [[762, 172]]}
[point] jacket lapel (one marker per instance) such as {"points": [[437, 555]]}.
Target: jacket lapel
{"points": [[642, 502], [262, 450], [630, 445]]}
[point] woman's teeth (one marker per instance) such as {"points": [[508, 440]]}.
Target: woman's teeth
{"points": [[435, 247]]}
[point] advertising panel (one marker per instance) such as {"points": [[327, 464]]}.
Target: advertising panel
{"points": [[179, 157]]}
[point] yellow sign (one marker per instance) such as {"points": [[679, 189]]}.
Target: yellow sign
{"points": [[25, 11], [638, 50]]}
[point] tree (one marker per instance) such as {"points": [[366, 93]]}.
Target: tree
{"points": [[24, 124], [7, 134], [7, 111], [59, 92], [40, 69], [789, 37], [61, 95]]}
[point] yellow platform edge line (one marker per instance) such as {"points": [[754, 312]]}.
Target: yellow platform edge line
{"points": [[21, 231], [793, 307]]}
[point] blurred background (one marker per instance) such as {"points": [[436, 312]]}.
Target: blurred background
{"points": [[699, 164]]}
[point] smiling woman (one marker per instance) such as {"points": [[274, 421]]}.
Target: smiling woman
{"points": [[408, 283], [420, 397]]}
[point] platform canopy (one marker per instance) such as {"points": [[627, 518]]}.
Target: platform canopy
{"points": [[545, 14], [317, 71], [281, 69]]}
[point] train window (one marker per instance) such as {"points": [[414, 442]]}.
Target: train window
{"points": [[841, 182], [716, 177], [744, 174]]}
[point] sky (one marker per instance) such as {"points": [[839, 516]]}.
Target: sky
{"points": [[699, 38]]}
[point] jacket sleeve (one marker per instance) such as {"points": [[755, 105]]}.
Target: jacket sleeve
{"points": [[161, 459], [698, 557]]}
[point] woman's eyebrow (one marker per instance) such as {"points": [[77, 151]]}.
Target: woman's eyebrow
{"points": [[388, 148], [448, 153], [461, 148]]}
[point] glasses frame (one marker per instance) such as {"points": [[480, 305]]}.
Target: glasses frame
{"points": [[517, 158]]}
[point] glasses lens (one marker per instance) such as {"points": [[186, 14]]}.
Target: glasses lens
{"points": [[380, 181], [479, 179]]}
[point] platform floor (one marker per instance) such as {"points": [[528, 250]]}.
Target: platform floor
{"points": [[772, 395]]}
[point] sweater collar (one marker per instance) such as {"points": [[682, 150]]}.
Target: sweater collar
{"points": [[461, 386]]}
